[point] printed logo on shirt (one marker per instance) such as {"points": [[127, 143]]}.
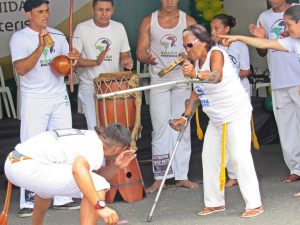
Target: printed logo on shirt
{"points": [[204, 102], [276, 29], [46, 60], [160, 164], [199, 91], [67, 132], [66, 99], [104, 44], [168, 42]]}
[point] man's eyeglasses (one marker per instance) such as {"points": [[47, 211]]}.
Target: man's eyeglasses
{"points": [[191, 45]]}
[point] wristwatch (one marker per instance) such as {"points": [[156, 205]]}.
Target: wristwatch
{"points": [[100, 204]]}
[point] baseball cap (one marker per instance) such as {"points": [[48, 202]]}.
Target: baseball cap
{"points": [[31, 4]]}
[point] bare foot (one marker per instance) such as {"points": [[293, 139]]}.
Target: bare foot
{"points": [[154, 187], [231, 182], [292, 178], [297, 194], [187, 183]]}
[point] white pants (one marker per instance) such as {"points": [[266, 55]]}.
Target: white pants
{"points": [[238, 143], [229, 166], [88, 105], [169, 103], [286, 107], [37, 116], [48, 180]]}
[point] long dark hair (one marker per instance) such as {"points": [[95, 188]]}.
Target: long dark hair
{"points": [[201, 34]]}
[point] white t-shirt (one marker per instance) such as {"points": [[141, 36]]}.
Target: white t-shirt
{"points": [[292, 45], [165, 45], [40, 82], [239, 55], [284, 66], [225, 101], [63, 146], [93, 40]]}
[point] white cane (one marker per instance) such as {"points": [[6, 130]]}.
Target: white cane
{"points": [[211, 79], [180, 135]]}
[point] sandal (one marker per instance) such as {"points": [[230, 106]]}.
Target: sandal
{"points": [[252, 212], [210, 210], [297, 194]]}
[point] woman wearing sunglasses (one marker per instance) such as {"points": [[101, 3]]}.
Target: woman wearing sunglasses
{"points": [[229, 110], [238, 52]]}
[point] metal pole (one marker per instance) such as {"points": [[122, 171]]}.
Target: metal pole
{"points": [[107, 95], [180, 135]]}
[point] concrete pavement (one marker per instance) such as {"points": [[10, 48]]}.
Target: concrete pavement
{"points": [[179, 206]]}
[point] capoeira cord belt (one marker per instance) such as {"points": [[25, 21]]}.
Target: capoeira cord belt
{"points": [[4, 214], [253, 135], [223, 157], [199, 130]]}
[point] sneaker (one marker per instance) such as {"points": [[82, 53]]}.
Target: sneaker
{"points": [[25, 212], [69, 206]]}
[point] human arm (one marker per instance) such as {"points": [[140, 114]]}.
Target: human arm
{"points": [[189, 110], [244, 61], [126, 60], [190, 20], [83, 179], [259, 32], [255, 42], [25, 65], [143, 43], [244, 73], [216, 65], [93, 62]]}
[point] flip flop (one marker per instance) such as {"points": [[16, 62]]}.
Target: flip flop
{"points": [[297, 194], [252, 212], [210, 210]]}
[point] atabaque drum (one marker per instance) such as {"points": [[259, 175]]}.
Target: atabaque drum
{"points": [[124, 109]]}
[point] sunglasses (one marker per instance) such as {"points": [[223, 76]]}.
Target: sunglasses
{"points": [[191, 45]]}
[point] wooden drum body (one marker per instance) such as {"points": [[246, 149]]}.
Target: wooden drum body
{"points": [[123, 109]]}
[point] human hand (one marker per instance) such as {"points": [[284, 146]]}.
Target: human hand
{"points": [[127, 62], [150, 59], [123, 159], [257, 31], [101, 56], [74, 55], [109, 216], [188, 69], [284, 34], [42, 35], [228, 39], [177, 124]]}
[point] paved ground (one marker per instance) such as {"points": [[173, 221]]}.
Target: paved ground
{"points": [[179, 206]]}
